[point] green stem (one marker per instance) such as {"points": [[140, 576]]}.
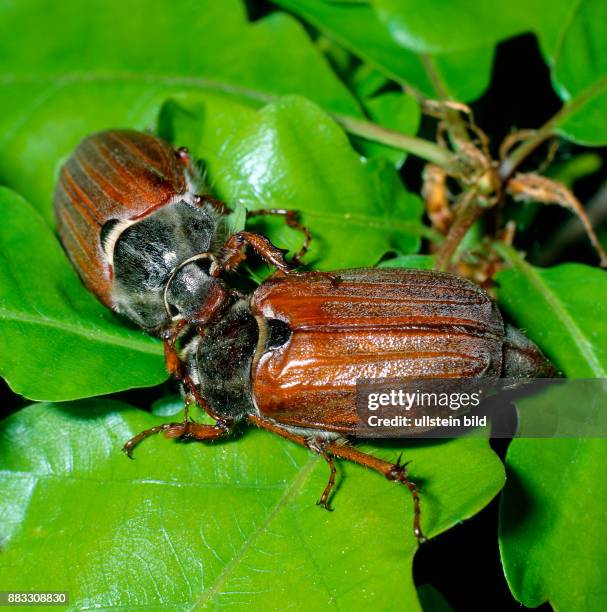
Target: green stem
{"points": [[425, 149], [423, 231], [518, 156]]}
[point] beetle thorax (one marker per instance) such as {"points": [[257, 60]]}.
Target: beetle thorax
{"points": [[219, 362]]}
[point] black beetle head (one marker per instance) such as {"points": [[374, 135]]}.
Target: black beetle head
{"points": [[159, 270]]}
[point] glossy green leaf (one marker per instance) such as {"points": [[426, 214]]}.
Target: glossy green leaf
{"points": [[552, 522], [562, 309], [189, 526], [290, 154], [552, 516], [70, 68], [580, 73], [58, 342], [463, 75], [454, 25]]}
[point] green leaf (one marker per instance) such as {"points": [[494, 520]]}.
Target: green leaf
{"points": [[571, 170], [366, 81], [420, 262], [562, 309], [59, 342], [552, 515], [74, 68], [290, 154], [200, 525], [463, 75], [552, 523], [454, 25], [445, 48], [394, 111], [580, 74], [432, 600]]}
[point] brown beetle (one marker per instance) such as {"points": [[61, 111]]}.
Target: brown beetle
{"points": [[288, 358], [142, 237], [135, 226]]}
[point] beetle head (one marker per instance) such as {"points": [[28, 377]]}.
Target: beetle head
{"points": [[160, 265]]}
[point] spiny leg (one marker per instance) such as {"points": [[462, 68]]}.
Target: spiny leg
{"points": [[127, 449], [186, 430], [324, 498], [290, 218], [392, 471], [399, 472], [317, 446], [233, 251]]}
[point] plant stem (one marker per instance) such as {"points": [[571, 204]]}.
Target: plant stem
{"points": [[425, 149], [518, 156], [469, 210]]}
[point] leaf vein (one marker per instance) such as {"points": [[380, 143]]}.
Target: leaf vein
{"points": [[43, 321]]}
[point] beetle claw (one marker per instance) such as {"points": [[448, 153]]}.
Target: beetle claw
{"points": [[127, 449], [325, 505]]}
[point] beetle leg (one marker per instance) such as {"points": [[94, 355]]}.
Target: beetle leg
{"points": [[324, 498], [177, 368], [399, 472], [317, 446], [127, 449], [233, 251], [290, 218], [392, 471], [186, 430], [173, 363]]}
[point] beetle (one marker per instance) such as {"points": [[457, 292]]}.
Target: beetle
{"points": [[144, 237], [287, 358]]}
